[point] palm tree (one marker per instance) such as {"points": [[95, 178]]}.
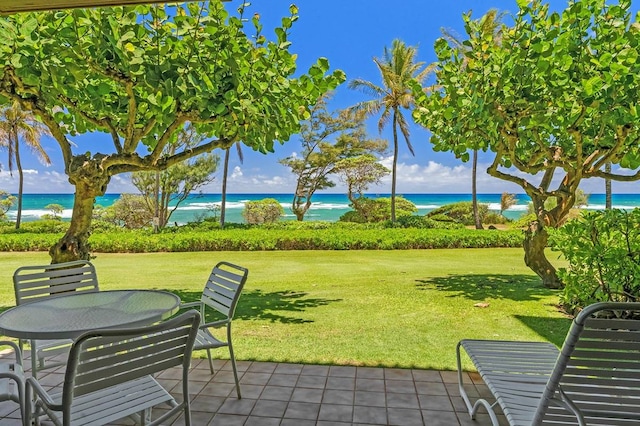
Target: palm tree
{"points": [[491, 24], [398, 67], [225, 172], [18, 125], [607, 188]]}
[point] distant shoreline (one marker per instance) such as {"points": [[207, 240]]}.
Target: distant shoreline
{"points": [[325, 206]]}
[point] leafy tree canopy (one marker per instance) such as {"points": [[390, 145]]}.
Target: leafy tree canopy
{"points": [[140, 74], [557, 96]]}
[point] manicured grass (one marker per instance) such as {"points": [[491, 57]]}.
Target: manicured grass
{"points": [[404, 308]]}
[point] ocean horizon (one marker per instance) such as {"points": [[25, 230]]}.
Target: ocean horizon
{"points": [[325, 206]]}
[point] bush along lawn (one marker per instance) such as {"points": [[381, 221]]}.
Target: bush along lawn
{"points": [[311, 236]]}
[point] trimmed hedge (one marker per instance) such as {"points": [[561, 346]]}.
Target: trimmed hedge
{"points": [[264, 238]]}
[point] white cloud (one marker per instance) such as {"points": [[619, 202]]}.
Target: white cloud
{"points": [[35, 181], [433, 177], [121, 184], [236, 173]]}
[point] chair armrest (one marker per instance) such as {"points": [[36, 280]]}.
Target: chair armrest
{"points": [[16, 349], [215, 324], [44, 396], [190, 305]]}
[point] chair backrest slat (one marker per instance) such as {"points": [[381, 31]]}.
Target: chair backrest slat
{"points": [[32, 283], [104, 358], [598, 369], [223, 288]]}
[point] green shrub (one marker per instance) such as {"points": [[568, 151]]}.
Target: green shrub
{"points": [[370, 210], [461, 212], [129, 211], [44, 226], [421, 222], [523, 221], [353, 217], [495, 218], [267, 210], [603, 251], [338, 236], [440, 217]]}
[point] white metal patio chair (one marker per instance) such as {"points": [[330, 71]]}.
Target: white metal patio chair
{"points": [[221, 293], [32, 283], [109, 375], [593, 380], [12, 371]]}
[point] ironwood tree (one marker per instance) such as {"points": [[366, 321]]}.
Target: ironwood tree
{"points": [[554, 102], [165, 190], [140, 74], [327, 138]]}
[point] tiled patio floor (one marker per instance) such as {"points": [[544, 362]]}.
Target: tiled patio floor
{"points": [[300, 395]]}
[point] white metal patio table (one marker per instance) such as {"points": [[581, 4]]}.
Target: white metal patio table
{"points": [[68, 316]]}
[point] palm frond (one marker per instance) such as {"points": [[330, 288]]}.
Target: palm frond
{"points": [[404, 129]]}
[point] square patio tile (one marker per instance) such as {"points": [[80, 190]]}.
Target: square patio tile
{"points": [[334, 412], [266, 408], [277, 393], [302, 410], [288, 368], [336, 396], [370, 373], [405, 417], [307, 395], [370, 399], [370, 415], [342, 371], [402, 400]]}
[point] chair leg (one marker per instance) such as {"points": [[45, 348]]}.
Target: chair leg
{"points": [[235, 369], [472, 409], [34, 359], [210, 361], [22, 402], [187, 412]]}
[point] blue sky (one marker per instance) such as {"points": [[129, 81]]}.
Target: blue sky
{"points": [[350, 34]]}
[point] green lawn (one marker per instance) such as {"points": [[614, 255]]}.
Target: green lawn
{"points": [[378, 308]]}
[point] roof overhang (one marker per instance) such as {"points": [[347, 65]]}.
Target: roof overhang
{"points": [[13, 6]]}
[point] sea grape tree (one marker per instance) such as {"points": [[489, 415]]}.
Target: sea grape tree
{"points": [[140, 74], [554, 102]]}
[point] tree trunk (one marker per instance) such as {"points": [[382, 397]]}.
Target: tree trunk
{"points": [[156, 204], [16, 153], [223, 201], [394, 170], [474, 191], [535, 241], [90, 181], [607, 188]]}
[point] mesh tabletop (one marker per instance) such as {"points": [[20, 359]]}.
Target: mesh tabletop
{"points": [[66, 317]]}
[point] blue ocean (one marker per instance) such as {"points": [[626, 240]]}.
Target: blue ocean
{"points": [[326, 207]]}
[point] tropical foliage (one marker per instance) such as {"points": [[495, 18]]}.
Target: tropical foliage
{"points": [[372, 210], [554, 102], [398, 68], [328, 139], [6, 202], [139, 74], [603, 251], [165, 190], [415, 233], [18, 125], [267, 210]]}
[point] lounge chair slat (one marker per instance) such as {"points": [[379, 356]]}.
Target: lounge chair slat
{"points": [[598, 370]]}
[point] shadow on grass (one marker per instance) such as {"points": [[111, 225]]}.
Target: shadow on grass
{"points": [[553, 330], [479, 287], [276, 306]]}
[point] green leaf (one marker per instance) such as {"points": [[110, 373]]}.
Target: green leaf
{"points": [[592, 85], [29, 26]]}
